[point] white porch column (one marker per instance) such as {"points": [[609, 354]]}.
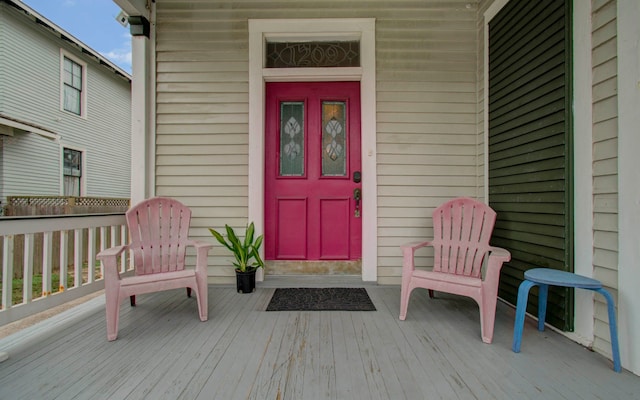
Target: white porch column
{"points": [[142, 137], [628, 184], [142, 98], [583, 169]]}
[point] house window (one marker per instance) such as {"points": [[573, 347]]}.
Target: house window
{"points": [[72, 172], [73, 89]]}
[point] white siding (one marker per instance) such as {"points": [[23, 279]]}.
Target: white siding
{"points": [[426, 122], [30, 83], [31, 166], [605, 166]]}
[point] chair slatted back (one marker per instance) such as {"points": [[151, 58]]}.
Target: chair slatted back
{"points": [[159, 228], [462, 229]]}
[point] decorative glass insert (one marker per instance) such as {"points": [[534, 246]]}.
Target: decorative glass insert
{"points": [[291, 138], [334, 144], [312, 54]]}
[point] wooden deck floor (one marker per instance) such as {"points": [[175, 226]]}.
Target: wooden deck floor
{"points": [[243, 352]]}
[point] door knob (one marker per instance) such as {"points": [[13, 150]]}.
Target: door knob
{"points": [[357, 194]]}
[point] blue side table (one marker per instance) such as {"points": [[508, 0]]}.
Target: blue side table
{"points": [[543, 277]]}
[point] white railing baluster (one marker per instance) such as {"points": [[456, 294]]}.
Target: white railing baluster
{"points": [[27, 230], [103, 245], [27, 275], [77, 257], [123, 240], [7, 272], [64, 260], [91, 255], [47, 263]]}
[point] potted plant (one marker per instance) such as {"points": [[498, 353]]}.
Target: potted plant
{"points": [[247, 254]]}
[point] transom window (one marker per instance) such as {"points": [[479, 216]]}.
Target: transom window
{"points": [[312, 54]]}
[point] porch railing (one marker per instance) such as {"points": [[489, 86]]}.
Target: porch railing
{"points": [[71, 263]]}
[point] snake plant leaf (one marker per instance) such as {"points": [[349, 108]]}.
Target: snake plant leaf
{"points": [[248, 239], [220, 238], [243, 250], [258, 242]]}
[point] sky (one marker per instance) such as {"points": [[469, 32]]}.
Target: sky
{"points": [[92, 22]]}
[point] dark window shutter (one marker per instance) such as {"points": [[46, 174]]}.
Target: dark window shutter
{"points": [[530, 175]]}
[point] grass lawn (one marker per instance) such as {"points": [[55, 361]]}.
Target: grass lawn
{"points": [[37, 284], [37, 287]]}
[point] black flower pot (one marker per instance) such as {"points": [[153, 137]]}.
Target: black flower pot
{"points": [[246, 281]]}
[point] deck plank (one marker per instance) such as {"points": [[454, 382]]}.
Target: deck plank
{"points": [[266, 383], [237, 348], [184, 359], [243, 352]]}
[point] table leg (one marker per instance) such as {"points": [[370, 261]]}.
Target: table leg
{"points": [[613, 330], [543, 295], [521, 309]]}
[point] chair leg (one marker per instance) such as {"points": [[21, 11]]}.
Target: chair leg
{"points": [[521, 308], [613, 329], [488, 316], [188, 292], [430, 293], [202, 297], [543, 295], [405, 293], [112, 310], [132, 300]]}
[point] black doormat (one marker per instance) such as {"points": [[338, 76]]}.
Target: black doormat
{"points": [[321, 299]]}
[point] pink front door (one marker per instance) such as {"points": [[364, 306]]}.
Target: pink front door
{"points": [[312, 171]]}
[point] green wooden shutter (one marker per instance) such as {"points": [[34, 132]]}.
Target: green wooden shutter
{"points": [[530, 175]]}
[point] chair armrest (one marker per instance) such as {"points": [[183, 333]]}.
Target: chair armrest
{"points": [[111, 252], [497, 256], [499, 253], [199, 244], [413, 246], [109, 258], [408, 251], [202, 253]]}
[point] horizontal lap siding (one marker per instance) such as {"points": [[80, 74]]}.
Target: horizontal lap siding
{"points": [[202, 116], [530, 146], [605, 199], [426, 110], [30, 91], [605, 157]]}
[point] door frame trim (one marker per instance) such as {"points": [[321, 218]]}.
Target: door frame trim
{"points": [[362, 29]]}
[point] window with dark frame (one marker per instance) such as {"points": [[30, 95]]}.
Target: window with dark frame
{"points": [[72, 172], [72, 89]]}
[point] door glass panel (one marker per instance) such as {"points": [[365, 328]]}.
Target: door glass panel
{"points": [[291, 138], [334, 145]]}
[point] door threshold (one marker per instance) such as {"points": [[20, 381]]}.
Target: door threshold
{"points": [[303, 267], [299, 280]]}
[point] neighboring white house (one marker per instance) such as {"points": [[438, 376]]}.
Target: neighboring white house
{"points": [[531, 106], [65, 112]]}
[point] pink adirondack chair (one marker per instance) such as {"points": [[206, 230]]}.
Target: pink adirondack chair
{"points": [[462, 229], [158, 229]]}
